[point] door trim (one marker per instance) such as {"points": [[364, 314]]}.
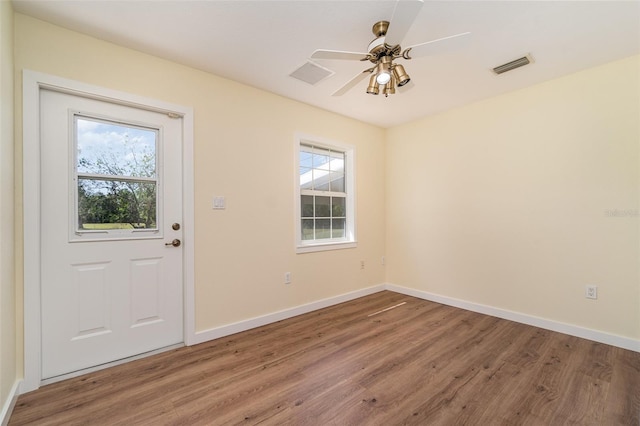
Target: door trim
{"points": [[32, 83]]}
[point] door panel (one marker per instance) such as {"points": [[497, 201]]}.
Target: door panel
{"points": [[111, 288], [146, 291], [90, 283]]}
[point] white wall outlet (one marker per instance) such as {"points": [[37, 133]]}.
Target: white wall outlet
{"points": [[362, 264], [591, 292], [287, 277], [383, 260]]}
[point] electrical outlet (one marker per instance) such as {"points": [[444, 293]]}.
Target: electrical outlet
{"points": [[287, 277], [383, 260], [362, 264], [591, 292]]}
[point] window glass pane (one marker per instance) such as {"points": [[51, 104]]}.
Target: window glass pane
{"points": [[306, 178], [322, 206], [338, 226], [106, 204], [337, 182], [337, 161], [307, 205], [321, 158], [305, 157], [321, 180], [323, 185], [115, 149], [307, 229], [323, 228], [304, 171], [338, 207]]}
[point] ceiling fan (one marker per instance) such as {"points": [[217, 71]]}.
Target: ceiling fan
{"points": [[385, 75]]}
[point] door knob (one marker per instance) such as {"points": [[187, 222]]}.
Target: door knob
{"points": [[175, 226], [176, 243]]}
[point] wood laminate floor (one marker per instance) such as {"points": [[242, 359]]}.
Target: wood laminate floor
{"points": [[420, 363]]}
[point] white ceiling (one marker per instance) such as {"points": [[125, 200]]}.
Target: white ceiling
{"points": [[260, 43]]}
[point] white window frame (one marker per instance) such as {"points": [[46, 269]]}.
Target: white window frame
{"points": [[349, 241]]}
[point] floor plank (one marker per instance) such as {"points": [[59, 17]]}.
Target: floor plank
{"points": [[351, 364]]}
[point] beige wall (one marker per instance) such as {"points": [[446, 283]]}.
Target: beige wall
{"points": [[244, 150], [505, 202], [8, 367], [501, 203]]}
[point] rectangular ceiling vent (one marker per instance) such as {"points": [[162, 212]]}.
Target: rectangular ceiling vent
{"points": [[520, 62], [311, 73]]}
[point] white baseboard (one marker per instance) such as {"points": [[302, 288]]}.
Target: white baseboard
{"points": [[226, 330], [8, 405], [573, 330]]}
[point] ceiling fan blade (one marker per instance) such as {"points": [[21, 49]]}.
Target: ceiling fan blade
{"points": [[441, 45], [338, 54], [351, 83], [404, 14]]}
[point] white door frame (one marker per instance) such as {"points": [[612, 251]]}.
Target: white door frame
{"points": [[32, 83]]}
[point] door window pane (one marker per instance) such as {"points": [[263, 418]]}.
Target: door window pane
{"points": [[112, 204], [116, 176], [115, 149]]}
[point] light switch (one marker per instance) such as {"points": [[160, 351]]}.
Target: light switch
{"points": [[219, 203]]}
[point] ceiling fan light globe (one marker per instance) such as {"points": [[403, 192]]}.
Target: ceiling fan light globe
{"points": [[383, 77]]}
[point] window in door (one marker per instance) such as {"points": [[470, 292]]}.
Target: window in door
{"points": [[116, 179]]}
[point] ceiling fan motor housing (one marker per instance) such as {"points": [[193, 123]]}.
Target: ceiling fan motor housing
{"points": [[378, 49], [380, 28]]}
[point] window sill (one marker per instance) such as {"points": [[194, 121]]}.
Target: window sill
{"points": [[311, 248]]}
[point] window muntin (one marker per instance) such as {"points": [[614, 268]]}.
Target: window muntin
{"points": [[116, 177], [325, 196]]}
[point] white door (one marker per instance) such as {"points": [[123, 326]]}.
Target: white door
{"points": [[111, 207]]}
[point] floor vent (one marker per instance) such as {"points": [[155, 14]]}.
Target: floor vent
{"points": [[311, 73], [520, 62]]}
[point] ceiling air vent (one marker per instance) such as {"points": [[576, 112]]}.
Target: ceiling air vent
{"points": [[520, 62], [311, 73]]}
